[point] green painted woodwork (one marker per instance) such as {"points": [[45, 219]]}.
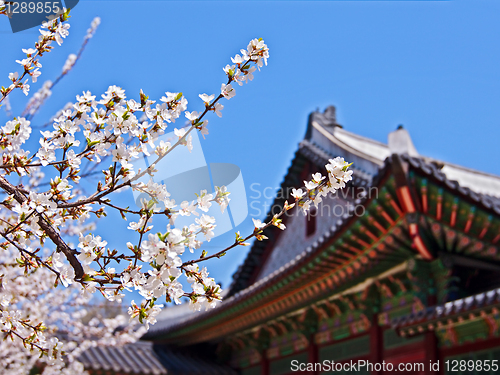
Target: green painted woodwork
{"points": [[287, 349], [393, 340], [398, 311], [340, 325], [341, 333], [377, 269], [427, 278], [310, 323], [357, 347], [431, 279], [464, 210], [372, 301], [470, 331], [441, 280], [263, 339], [422, 279]]}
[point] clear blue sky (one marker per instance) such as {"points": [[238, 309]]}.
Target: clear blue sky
{"points": [[433, 66]]}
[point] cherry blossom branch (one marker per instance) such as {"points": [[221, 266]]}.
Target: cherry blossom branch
{"points": [[48, 229], [69, 64], [113, 187], [106, 123], [25, 341], [339, 175], [194, 124], [14, 228], [55, 31], [32, 255]]}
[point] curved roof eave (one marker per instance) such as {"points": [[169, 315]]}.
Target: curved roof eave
{"points": [[354, 144], [417, 163]]}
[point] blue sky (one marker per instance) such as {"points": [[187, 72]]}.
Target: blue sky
{"points": [[432, 66]]}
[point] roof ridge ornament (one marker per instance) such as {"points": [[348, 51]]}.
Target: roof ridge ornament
{"points": [[327, 119], [399, 142]]}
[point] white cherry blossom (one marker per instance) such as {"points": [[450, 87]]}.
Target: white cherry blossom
{"points": [[85, 159]]}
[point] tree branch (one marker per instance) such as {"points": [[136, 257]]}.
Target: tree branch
{"points": [[48, 229]]}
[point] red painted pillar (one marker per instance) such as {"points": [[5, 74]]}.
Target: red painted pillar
{"points": [[376, 344], [264, 363], [312, 354], [431, 354]]}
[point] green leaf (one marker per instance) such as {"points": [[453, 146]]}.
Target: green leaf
{"points": [[346, 166], [87, 278]]}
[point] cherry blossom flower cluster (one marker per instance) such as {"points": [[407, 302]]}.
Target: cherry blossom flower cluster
{"points": [[36, 101], [52, 30], [53, 195], [314, 191], [39, 98], [51, 209], [319, 187], [47, 328], [70, 61]]}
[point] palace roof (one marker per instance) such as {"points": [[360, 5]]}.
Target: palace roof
{"points": [[471, 308], [421, 204], [325, 139], [144, 358]]}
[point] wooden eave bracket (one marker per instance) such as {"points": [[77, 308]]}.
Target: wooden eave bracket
{"points": [[406, 200]]}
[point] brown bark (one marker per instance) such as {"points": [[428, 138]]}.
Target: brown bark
{"points": [[47, 228]]}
